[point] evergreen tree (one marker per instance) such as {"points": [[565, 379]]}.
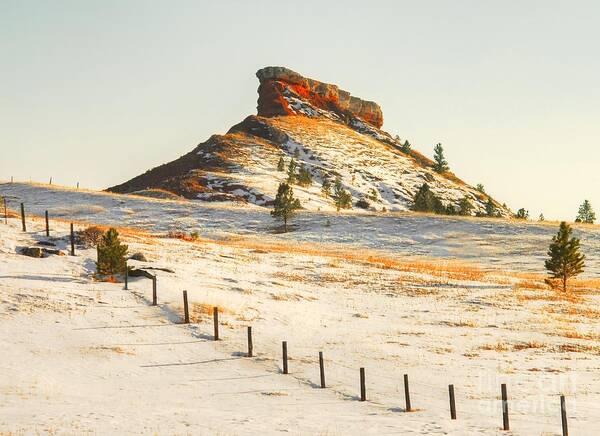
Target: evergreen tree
{"points": [[111, 254], [441, 165], [304, 176], [426, 201], [280, 164], [465, 207], [341, 197], [405, 148], [480, 188], [285, 205], [373, 194], [292, 176], [522, 214], [565, 260], [326, 187], [586, 213], [542, 218], [490, 208]]}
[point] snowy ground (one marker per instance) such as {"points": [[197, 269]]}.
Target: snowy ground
{"points": [[492, 243], [85, 357]]}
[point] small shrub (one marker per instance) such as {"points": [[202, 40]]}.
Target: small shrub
{"points": [[111, 254], [89, 237], [363, 204]]}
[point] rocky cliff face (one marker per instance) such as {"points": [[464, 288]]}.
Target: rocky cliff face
{"points": [[281, 89], [332, 134]]}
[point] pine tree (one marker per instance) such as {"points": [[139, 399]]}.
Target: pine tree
{"points": [[304, 176], [280, 164], [522, 214], [285, 205], [465, 207], [292, 176], [405, 148], [441, 165], [373, 194], [111, 254], [490, 208], [566, 260], [586, 213], [326, 187], [426, 201], [480, 188], [542, 218], [341, 197]]}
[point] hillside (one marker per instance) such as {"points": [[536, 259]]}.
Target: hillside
{"points": [[329, 131]]}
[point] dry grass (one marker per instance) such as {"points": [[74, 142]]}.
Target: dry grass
{"points": [[202, 311], [573, 311], [102, 350], [574, 334], [498, 346], [528, 345], [459, 323]]}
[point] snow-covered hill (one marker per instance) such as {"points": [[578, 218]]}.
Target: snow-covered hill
{"points": [[309, 121]]}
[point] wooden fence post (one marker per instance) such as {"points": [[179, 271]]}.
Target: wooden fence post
{"points": [[72, 241], [452, 402], [47, 225], [363, 386], [216, 322], [186, 313], [322, 369], [285, 356], [154, 296], [23, 225], [407, 394], [505, 423], [126, 274], [250, 345], [563, 416]]}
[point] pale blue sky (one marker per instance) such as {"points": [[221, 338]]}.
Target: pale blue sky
{"points": [[98, 92]]}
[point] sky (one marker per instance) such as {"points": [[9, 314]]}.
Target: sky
{"points": [[98, 92]]}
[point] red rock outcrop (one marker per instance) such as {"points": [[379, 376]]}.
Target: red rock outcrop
{"points": [[278, 84]]}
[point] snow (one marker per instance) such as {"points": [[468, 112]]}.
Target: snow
{"points": [[89, 357]]}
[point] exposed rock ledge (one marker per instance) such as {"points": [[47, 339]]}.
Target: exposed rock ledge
{"points": [[278, 82]]}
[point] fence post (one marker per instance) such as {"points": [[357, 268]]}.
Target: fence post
{"points": [[452, 402], [363, 387], [250, 345], [23, 217], [505, 423], [407, 393], [216, 322], [563, 416], [285, 356], [47, 225], [154, 296], [126, 274], [5, 212], [322, 369], [72, 241], [186, 313]]}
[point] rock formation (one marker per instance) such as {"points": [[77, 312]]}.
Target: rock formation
{"points": [[279, 85], [323, 128]]}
